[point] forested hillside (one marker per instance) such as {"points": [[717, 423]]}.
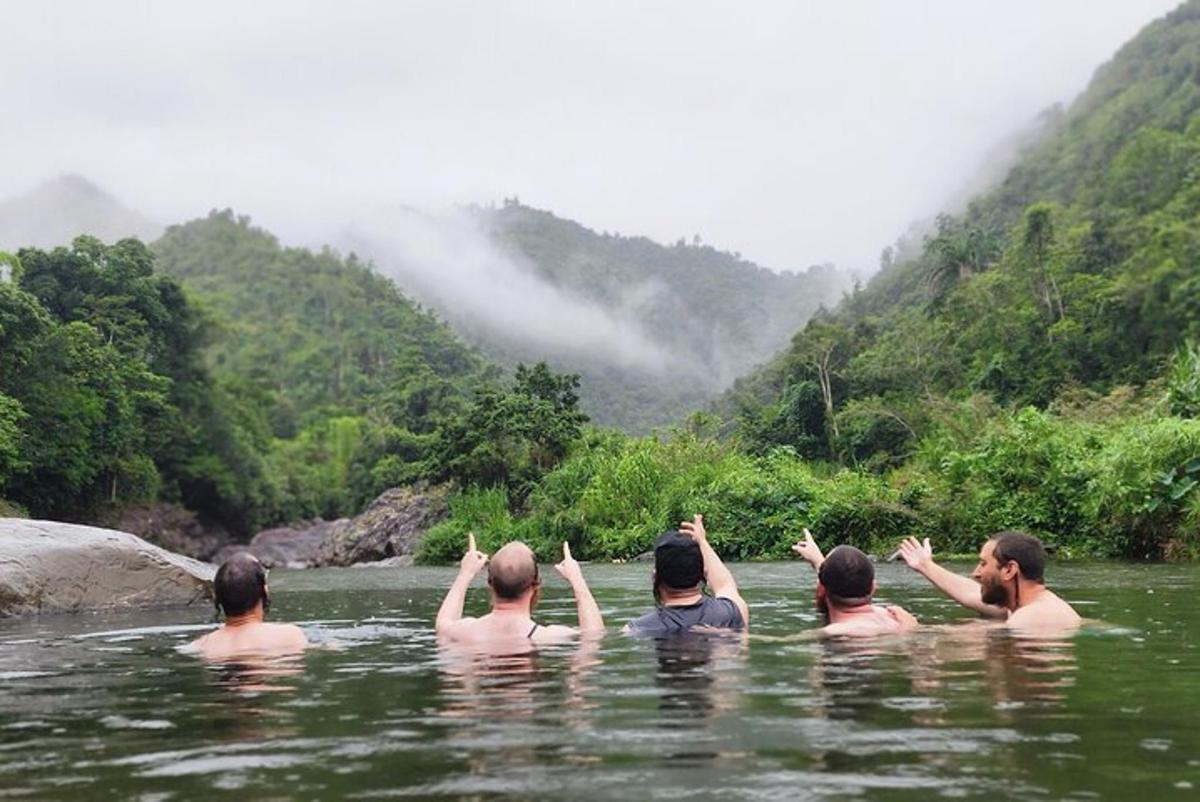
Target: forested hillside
{"points": [[312, 333], [281, 384], [654, 331], [1080, 270], [718, 314], [1032, 366]]}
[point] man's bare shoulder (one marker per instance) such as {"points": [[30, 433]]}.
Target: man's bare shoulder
{"points": [[1048, 612], [903, 617], [855, 630], [285, 634], [553, 633], [462, 630]]}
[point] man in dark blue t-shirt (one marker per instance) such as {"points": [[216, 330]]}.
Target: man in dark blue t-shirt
{"points": [[683, 559]]}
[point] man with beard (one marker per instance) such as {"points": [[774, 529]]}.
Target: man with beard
{"points": [[684, 561], [845, 587], [1008, 583], [515, 585]]}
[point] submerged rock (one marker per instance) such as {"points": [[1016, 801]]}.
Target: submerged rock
{"points": [[47, 567], [390, 527], [296, 546]]}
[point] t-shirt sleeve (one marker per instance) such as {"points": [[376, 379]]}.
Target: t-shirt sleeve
{"points": [[731, 613], [647, 623]]}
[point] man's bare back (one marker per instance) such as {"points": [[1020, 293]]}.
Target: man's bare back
{"points": [[871, 623], [502, 629], [251, 639]]}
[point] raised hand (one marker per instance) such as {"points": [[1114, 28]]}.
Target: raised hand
{"points": [[474, 560], [809, 550], [694, 528], [568, 569], [917, 554]]}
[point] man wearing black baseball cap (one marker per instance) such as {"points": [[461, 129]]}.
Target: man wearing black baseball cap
{"points": [[683, 560], [845, 586]]}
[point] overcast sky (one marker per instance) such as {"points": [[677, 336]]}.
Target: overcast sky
{"points": [[794, 132]]}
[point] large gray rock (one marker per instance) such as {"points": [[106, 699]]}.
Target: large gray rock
{"points": [[390, 527], [296, 546], [54, 567]]}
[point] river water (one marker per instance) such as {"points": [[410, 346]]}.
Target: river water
{"points": [[105, 706]]}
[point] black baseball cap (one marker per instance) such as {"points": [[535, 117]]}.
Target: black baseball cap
{"points": [[678, 563]]}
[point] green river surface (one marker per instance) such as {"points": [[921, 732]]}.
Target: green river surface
{"points": [[105, 705]]}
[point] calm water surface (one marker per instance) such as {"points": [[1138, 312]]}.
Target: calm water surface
{"points": [[103, 706]]}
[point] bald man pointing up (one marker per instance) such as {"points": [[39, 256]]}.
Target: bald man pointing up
{"points": [[515, 587]]}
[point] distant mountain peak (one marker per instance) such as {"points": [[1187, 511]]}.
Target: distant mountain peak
{"points": [[60, 209], [75, 183]]}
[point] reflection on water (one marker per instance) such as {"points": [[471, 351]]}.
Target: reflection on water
{"points": [[699, 675], [257, 673], [106, 706]]}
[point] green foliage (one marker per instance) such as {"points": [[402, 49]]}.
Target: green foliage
{"points": [[614, 495], [1183, 381], [513, 438], [482, 511], [12, 461], [1146, 489], [10, 268]]}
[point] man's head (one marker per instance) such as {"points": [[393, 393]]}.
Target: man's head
{"points": [[1006, 558], [513, 573], [678, 563], [240, 585], [846, 579]]}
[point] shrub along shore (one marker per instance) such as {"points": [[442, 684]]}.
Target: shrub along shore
{"points": [[1104, 476]]}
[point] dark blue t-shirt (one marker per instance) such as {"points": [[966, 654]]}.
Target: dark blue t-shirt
{"points": [[708, 612]]}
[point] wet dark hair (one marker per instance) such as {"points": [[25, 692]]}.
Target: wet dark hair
{"points": [[678, 563], [848, 575], [1024, 549], [240, 584]]}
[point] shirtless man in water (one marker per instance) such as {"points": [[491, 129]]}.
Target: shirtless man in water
{"points": [[1008, 583], [515, 586], [241, 593], [845, 585]]}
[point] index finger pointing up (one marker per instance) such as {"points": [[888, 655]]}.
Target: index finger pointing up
{"points": [[471, 541], [566, 550]]}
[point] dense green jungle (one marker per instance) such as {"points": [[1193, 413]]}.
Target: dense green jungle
{"points": [[1032, 363]]}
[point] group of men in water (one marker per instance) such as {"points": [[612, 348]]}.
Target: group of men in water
{"points": [[693, 590]]}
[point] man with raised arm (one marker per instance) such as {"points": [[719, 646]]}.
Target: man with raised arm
{"points": [[241, 593], [1008, 582], [845, 588], [683, 559], [515, 588]]}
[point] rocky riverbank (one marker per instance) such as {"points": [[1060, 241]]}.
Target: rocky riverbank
{"points": [[389, 529]]}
